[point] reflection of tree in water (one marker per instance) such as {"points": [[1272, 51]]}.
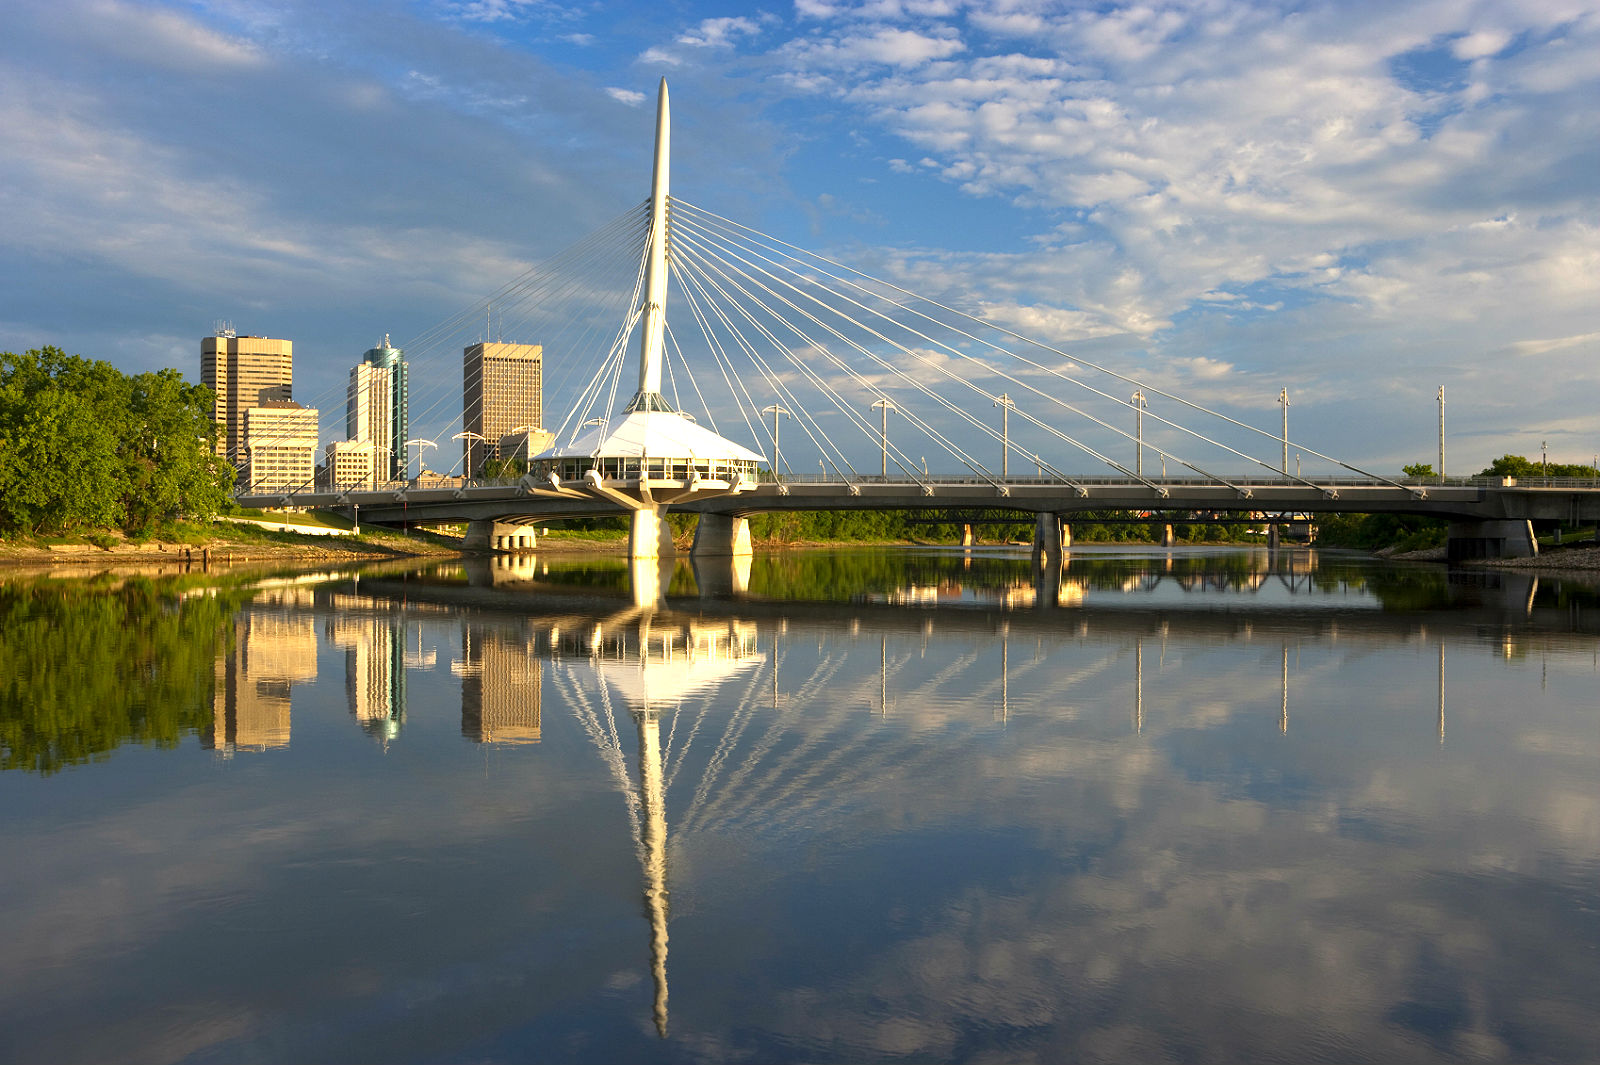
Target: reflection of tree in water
{"points": [[88, 665]]}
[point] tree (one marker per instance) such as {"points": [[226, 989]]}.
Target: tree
{"points": [[1419, 469], [1517, 466], [84, 446]]}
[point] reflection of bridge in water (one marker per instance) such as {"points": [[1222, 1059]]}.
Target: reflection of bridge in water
{"points": [[722, 744], [726, 746]]}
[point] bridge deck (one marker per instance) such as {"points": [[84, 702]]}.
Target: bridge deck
{"points": [[1467, 500]]}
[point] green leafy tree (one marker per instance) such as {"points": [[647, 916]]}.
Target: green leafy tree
{"points": [[84, 446], [1419, 469]]}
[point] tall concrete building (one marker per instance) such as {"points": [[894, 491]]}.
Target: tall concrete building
{"points": [[244, 372], [502, 687], [274, 648], [502, 395], [376, 408]]}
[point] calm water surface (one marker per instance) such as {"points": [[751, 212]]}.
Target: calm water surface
{"points": [[922, 806]]}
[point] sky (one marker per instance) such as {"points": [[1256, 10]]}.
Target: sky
{"points": [[1359, 202]]}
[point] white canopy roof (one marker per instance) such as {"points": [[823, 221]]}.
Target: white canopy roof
{"points": [[650, 434]]}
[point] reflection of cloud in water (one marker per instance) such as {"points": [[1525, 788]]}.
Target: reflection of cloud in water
{"points": [[868, 860]]}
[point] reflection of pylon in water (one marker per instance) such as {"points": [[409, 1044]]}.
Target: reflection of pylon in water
{"points": [[653, 852]]}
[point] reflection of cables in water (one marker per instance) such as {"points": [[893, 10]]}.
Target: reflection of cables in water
{"points": [[821, 678], [743, 713], [605, 745]]}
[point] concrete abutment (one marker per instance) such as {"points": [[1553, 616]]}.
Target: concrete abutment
{"points": [[1468, 540], [498, 537]]}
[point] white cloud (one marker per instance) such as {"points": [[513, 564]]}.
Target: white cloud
{"points": [[901, 49], [626, 96], [721, 32]]}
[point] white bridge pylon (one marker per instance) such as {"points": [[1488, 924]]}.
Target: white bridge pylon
{"points": [[893, 400], [650, 455]]}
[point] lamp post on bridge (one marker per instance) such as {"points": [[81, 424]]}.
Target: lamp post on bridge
{"points": [[1441, 434], [469, 436], [1283, 398], [886, 406], [420, 445], [777, 467], [1138, 431], [527, 440], [1005, 403]]}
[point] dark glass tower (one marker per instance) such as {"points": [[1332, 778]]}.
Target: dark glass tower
{"points": [[391, 363]]}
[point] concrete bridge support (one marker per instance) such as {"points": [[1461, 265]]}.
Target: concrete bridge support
{"points": [[966, 536], [1048, 540], [650, 535], [1274, 536], [1168, 537], [498, 537], [721, 536], [1467, 540], [722, 577]]}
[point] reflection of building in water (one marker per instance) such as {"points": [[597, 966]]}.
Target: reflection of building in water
{"points": [[501, 686], [374, 669], [272, 650]]}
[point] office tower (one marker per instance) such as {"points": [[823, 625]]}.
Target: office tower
{"points": [[280, 446], [376, 407], [348, 464], [501, 687], [502, 395], [375, 673], [274, 648], [244, 372]]}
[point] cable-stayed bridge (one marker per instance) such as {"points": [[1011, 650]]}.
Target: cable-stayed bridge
{"points": [[903, 401]]}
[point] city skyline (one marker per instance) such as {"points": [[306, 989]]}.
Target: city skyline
{"points": [[1357, 203]]}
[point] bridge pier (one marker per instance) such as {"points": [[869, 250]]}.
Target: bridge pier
{"points": [[720, 536], [1168, 537], [1468, 540], [650, 535], [722, 576], [498, 537], [1273, 536], [966, 535], [1047, 539]]}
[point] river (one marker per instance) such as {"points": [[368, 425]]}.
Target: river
{"points": [[876, 805]]}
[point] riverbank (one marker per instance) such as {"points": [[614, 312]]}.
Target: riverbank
{"points": [[224, 544], [1585, 556]]}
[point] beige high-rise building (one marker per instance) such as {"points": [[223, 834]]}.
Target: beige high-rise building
{"points": [[274, 648], [502, 394], [502, 697], [280, 447], [244, 372]]}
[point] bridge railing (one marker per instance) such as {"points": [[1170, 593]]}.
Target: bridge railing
{"points": [[1047, 480]]}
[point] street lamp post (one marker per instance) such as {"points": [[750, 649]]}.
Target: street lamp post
{"points": [[527, 439], [1283, 398], [1441, 434], [1005, 403], [1138, 431], [469, 436], [777, 467], [421, 443], [886, 406]]}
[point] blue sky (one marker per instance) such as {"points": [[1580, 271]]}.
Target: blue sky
{"points": [[1358, 202]]}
